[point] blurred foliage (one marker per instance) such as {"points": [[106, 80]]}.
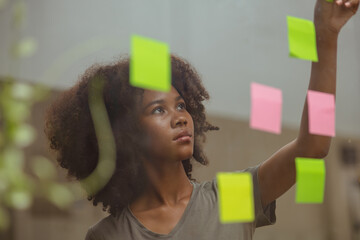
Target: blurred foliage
{"points": [[23, 178], [25, 48]]}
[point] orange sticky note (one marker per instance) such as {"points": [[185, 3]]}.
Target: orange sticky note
{"points": [[321, 108], [266, 108]]}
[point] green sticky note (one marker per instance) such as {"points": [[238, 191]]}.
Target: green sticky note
{"points": [[310, 180], [330, 0], [302, 39], [150, 64], [236, 199]]}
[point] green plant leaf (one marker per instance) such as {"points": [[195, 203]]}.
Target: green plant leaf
{"points": [[22, 91], [24, 135], [4, 183], [13, 159], [60, 195], [4, 219], [2, 137], [43, 168], [15, 111], [41, 92], [25, 48], [77, 190], [19, 198], [19, 13]]}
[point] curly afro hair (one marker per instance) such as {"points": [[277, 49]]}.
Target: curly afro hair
{"points": [[71, 133]]}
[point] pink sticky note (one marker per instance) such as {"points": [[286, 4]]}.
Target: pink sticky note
{"points": [[321, 113], [266, 108]]}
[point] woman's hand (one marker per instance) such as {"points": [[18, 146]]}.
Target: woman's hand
{"points": [[332, 16]]}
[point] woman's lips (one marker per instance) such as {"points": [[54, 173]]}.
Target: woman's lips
{"points": [[183, 135], [183, 139]]}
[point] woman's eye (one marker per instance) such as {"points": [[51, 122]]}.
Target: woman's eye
{"points": [[182, 106], [158, 110]]}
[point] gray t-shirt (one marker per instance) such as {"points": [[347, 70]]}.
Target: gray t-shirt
{"points": [[200, 219]]}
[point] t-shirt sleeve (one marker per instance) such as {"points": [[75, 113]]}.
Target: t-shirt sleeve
{"points": [[90, 235], [263, 216]]}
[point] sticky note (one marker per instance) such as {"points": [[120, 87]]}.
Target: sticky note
{"points": [[310, 180], [302, 39], [236, 198], [266, 108], [330, 1], [150, 64], [321, 109]]}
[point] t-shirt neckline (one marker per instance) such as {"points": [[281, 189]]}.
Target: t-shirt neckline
{"points": [[177, 226]]}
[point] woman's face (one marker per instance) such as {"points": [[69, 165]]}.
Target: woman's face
{"points": [[169, 128]]}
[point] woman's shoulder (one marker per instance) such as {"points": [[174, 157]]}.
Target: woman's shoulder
{"points": [[106, 221], [105, 228]]}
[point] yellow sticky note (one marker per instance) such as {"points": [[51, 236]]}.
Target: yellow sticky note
{"points": [[310, 180], [150, 64], [236, 198], [302, 39]]}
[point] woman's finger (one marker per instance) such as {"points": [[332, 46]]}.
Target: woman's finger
{"points": [[352, 4], [347, 3], [339, 2]]}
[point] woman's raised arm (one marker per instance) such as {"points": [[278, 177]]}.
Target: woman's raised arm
{"points": [[277, 174]]}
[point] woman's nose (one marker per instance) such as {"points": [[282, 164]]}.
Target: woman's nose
{"points": [[180, 120]]}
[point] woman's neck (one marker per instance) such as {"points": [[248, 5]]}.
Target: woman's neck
{"points": [[167, 185]]}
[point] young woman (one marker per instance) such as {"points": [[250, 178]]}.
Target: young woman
{"points": [[151, 194]]}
